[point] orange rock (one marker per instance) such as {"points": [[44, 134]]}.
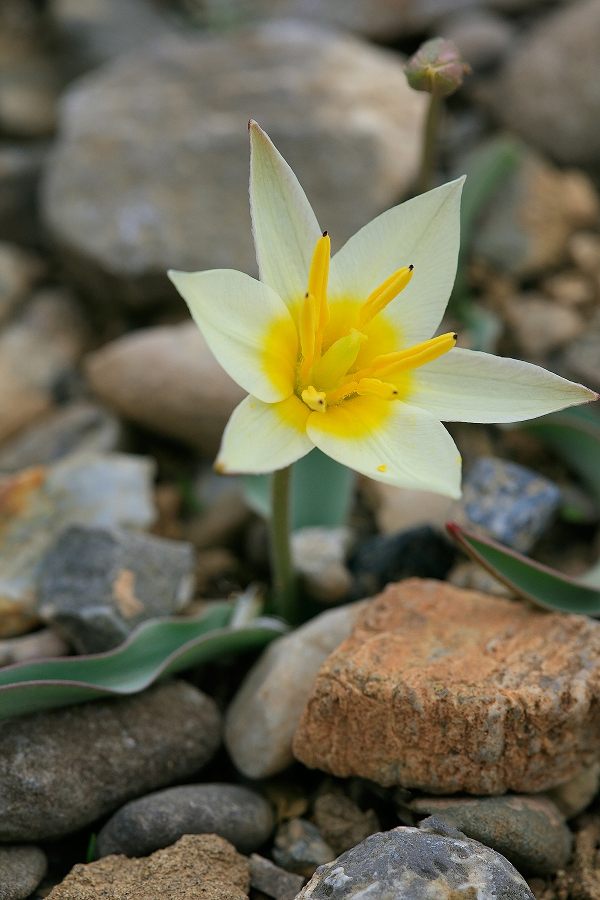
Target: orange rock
{"points": [[447, 690]]}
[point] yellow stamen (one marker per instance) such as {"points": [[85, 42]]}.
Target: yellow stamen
{"points": [[317, 286], [314, 399], [342, 392], [308, 316], [338, 359], [379, 388], [384, 294], [395, 363]]}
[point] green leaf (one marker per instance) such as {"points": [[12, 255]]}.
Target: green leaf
{"points": [[322, 492], [529, 579], [156, 648]]}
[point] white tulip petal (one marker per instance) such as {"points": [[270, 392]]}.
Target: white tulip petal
{"points": [[284, 225], [247, 326], [389, 441], [467, 386], [262, 437], [423, 232]]}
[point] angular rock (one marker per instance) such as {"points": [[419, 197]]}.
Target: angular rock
{"points": [[93, 489], [62, 770], [39, 645], [273, 881], [318, 555], [448, 690], [299, 847], [342, 823], [21, 870], [507, 502], [235, 813], [167, 178], [166, 379], [529, 831], [414, 864], [262, 717], [97, 584], [543, 92], [197, 865]]}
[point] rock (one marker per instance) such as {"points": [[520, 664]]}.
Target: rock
{"points": [[37, 351], [20, 169], [273, 881], [414, 864], [235, 813], [342, 823], [448, 690], [40, 645], [507, 502], [584, 250], [384, 558], [529, 831], [474, 577], [318, 555], [166, 379], [36, 505], [525, 227], [581, 358], [214, 568], [63, 769], [21, 870], [300, 848], [483, 38], [197, 865], [28, 97], [167, 178], [97, 584], [541, 326], [401, 509], [262, 717], [570, 288], [18, 272], [79, 427], [543, 92], [576, 794]]}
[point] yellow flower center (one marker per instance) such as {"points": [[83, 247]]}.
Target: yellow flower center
{"points": [[325, 378]]}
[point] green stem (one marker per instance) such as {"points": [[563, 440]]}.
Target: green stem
{"points": [[284, 581], [430, 141]]}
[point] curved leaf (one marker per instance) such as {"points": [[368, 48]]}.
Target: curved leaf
{"points": [[156, 648]]}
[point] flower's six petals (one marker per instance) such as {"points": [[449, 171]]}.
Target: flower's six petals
{"points": [[467, 386], [247, 326], [261, 437], [390, 442], [284, 225], [424, 232]]}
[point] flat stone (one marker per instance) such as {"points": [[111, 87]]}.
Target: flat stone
{"points": [[21, 870], [236, 813], [97, 584], [415, 864], [63, 769], [449, 690], [299, 847], [529, 831], [166, 379], [150, 169], [265, 876], [197, 865], [342, 823], [262, 717]]}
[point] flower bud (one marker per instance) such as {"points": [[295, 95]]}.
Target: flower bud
{"points": [[437, 68]]}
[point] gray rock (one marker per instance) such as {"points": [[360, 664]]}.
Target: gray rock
{"points": [[265, 876], [235, 813], [482, 37], [20, 170], [319, 556], [575, 795], [150, 169], [61, 770], [341, 821], [39, 645], [547, 90], [581, 359], [76, 428], [96, 584], [299, 847], [415, 864], [507, 502], [21, 870], [529, 831], [263, 716]]}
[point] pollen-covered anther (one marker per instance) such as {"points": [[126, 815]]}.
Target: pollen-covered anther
{"points": [[374, 386], [384, 294], [314, 399]]}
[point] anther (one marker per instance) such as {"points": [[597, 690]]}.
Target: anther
{"points": [[384, 294], [378, 388], [314, 399]]}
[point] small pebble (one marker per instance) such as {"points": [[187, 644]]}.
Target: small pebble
{"points": [[21, 870], [342, 823], [319, 557], [299, 847], [265, 876]]}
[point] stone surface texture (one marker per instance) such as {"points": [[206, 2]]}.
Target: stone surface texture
{"points": [[449, 690], [167, 379], [236, 813], [414, 864], [299, 847], [342, 823], [198, 865], [529, 831], [576, 794], [319, 555], [21, 870], [150, 168], [265, 876], [262, 717], [61, 770]]}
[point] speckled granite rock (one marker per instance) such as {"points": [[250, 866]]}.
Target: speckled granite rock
{"points": [[451, 690]]}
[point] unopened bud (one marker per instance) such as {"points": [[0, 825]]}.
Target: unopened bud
{"points": [[437, 68]]}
